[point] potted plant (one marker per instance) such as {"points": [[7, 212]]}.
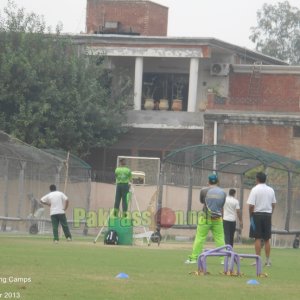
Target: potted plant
{"points": [[178, 87], [164, 102], [149, 90], [214, 94]]}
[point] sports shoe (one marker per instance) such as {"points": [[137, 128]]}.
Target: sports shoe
{"points": [[268, 264], [190, 261], [69, 239], [55, 241]]}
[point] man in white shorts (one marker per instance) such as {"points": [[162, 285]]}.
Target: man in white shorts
{"points": [[261, 202]]}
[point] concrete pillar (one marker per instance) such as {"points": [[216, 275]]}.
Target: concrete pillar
{"points": [[138, 83], [192, 100]]}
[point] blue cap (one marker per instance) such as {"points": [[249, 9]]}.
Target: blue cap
{"points": [[213, 178]]}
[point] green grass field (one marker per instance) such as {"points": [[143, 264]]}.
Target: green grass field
{"points": [[35, 268]]}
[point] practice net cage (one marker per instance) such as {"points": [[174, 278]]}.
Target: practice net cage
{"points": [[185, 171], [26, 173]]}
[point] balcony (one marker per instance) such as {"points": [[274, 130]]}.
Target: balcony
{"points": [[165, 119]]}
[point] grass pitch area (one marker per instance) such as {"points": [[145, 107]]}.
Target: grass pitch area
{"points": [[36, 268]]}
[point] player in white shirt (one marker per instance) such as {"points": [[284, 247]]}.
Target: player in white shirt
{"points": [[261, 202], [231, 211], [58, 203]]}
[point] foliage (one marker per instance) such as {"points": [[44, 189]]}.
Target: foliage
{"points": [[278, 32], [50, 95]]}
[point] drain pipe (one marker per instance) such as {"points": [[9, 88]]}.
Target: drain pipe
{"points": [[215, 143], [215, 132]]}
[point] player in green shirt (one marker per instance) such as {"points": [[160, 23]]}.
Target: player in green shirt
{"points": [[123, 177]]}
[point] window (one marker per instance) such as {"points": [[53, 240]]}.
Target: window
{"points": [[164, 86], [296, 131]]}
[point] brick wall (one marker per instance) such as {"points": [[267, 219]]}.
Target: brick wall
{"points": [[273, 138], [269, 92], [143, 17]]}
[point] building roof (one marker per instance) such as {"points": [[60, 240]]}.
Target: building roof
{"points": [[217, 45], [137, 1]]}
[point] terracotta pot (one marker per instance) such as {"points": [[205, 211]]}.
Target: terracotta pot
{"points": [[177, 105], [163, 104], [149, 104], [203, 105]]}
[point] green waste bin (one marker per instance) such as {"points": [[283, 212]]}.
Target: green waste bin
{"points": [[124, 229]]}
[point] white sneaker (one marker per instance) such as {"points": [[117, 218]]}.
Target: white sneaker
{"points": [[190, 261], [69, 239], [268, 264], [55, 241]]}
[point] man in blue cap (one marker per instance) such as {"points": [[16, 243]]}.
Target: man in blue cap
{"points": [[213, 199]]}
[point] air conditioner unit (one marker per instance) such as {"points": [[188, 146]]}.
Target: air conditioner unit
{"points": [[219, 69]]}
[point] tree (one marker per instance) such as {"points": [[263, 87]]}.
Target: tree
{"points": [[278, 32], [51, 96]]}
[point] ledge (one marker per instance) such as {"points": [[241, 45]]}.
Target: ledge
{"points": [[164, 119]]}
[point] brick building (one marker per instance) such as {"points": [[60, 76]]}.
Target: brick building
{"points": [[261, 110], [126, 17], [228, 94]]}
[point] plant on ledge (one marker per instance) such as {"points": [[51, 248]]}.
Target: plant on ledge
{"points": [[179, 85], [148, 93], [164, 101], [218, 98], [149, 88]]}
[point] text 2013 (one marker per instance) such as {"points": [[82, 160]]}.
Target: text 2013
{"points": [[10, 295]]}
